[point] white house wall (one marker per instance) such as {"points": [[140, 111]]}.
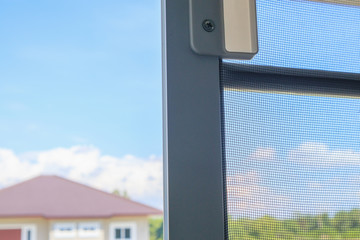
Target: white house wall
{"points": [[44, 228], [142, 227]]}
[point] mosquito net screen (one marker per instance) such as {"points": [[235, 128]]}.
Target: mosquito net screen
{"points": [[291, 125]]}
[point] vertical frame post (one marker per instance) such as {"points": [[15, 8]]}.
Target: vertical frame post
{"points": [[193, 176]]}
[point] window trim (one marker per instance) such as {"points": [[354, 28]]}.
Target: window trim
{"points": [[293, 81], [341, 2], [231, 65], [83, 234], [59, 235]]}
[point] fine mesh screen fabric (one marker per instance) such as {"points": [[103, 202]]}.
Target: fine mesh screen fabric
{"points": [[307, 35], [292, 143]]}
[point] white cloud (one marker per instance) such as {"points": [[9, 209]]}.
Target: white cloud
{"points": [[12, 168], [248, 196], [263, 154], [319, 154], [140, 177]]}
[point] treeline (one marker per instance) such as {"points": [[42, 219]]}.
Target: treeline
{"points": [[344, 225]]}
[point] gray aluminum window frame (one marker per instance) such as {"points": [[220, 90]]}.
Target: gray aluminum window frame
{"points": [[193, 166], [193, 203]]}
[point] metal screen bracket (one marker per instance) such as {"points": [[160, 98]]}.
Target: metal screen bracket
{"points": [[224, 28]]}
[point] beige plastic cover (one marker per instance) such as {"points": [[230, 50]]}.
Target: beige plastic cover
{"points": [[240, 26]]}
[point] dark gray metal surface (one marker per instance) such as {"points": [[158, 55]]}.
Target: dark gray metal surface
{"points": [[192, 133], [281, 80], [203, 42], [236, 67]]}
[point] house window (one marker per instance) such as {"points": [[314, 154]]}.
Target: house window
{"points": [[64, 230], [127, 233], [118, 233], [123, 231], [89, 230]]}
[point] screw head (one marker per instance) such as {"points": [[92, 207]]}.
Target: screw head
{"points": [[208, 25]]}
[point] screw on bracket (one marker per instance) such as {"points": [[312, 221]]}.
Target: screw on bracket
{"points": [[208, 25]]}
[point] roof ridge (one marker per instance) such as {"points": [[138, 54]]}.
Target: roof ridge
{"points": [[19, 183]]}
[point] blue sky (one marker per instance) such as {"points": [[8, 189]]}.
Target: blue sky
{"points": [[81, 72], [80, 93]]}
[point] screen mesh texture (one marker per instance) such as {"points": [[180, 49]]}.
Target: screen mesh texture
{"points": [[291, 141], [307, 35]]}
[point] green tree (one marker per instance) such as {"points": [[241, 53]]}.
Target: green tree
{"points": [[116, 192], [156, 228], [342, 221], [124, 194]]}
